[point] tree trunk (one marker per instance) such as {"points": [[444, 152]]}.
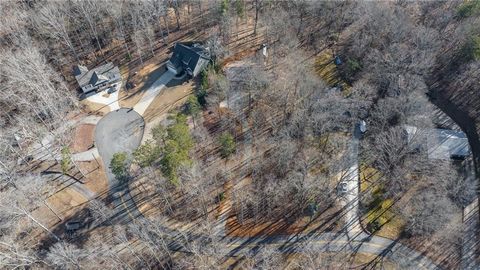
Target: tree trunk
{"points": [[257, 8], [161, 32], [177, 14], [55, 213], [166, 25]]}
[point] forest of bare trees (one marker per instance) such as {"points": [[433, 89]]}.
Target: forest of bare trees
{"points": [[271, 152]]}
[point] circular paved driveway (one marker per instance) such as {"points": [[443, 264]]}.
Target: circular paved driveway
{"points": [[118, 131]]}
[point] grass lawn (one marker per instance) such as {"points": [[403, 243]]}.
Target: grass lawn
{"points": [[327, 70], [378, 218]]}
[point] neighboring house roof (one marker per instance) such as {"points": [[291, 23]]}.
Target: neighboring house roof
{"points": [[92, 79], [440, 143], [189, 58], [77, 70], [448, 143]]}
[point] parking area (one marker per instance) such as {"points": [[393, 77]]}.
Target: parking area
{"points": [[107, 97]]}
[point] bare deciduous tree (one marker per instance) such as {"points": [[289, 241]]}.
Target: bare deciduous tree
{"points": [[66, 256], [15, 255], [90, 11], [19, 201], [53, 20]]}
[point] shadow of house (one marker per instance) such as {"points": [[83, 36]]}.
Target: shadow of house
{"points": [[189, 59], [96, 79]]}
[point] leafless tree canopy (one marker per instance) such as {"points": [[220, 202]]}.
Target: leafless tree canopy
{"points": [[292, 125]]}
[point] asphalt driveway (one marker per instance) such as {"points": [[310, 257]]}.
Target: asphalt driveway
{"points": [[118, 131]]}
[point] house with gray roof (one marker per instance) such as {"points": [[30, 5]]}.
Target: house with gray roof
{"points": [[191, 59], [439, 143], [96, 79]]}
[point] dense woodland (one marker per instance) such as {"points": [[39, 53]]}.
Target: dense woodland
{"points": [[285, 132]]}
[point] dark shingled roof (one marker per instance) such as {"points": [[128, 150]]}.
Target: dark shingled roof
{"points": [[188, 57], [97, 78], [78, 70]]}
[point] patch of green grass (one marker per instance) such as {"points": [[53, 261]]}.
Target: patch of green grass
{"points": [[379, 217], [65, 162], [471, 50], [368, 177], [327, 70], [469, 8]]}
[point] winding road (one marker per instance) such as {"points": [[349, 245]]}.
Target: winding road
{"points": [[122, 130], [110, 138]]}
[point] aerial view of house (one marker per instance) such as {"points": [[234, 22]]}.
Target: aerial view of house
{"points": [[190, 59], [239, 134], [98, 78]]}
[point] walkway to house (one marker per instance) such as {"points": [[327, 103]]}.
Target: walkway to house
{"points": [[90, 154], [152, 92], [40, 150]]}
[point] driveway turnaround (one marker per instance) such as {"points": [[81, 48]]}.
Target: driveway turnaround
{"points": [[118, 131], [152, 92]]}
